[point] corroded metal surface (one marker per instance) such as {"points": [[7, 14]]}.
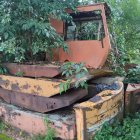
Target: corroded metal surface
{"points": [[92, 52], [132, 98], [101, 108], [34, 123], [42, 104], [33, 70], [100, 72], [41, 87]]}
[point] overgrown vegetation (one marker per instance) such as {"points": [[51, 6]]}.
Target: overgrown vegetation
{"points": [[124, 33], [73, 71], [133, 75], [129, 129], [3, 70], [3, 126], [25, 29]]}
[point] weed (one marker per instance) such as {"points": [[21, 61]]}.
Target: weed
{"points": [[19, 73], [4, 137], [129, 129], [2, 126]]}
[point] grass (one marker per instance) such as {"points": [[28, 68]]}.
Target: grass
{"points": [[2, 128], [4, 137], [129, 129]]}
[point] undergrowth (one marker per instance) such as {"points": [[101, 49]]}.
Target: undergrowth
{"points": [[3, 126], [129, 129]]}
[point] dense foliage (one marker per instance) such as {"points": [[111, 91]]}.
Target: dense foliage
{"points": [[25, 29], [133, 75], [125, 32], [129, 129], [73, 71]]}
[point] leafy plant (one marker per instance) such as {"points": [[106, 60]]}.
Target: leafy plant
{"points": [[3, 70], [25, 28], [4, 137], [71, 70], [133, 75], [19, 73], [2, 125], [127, 130]]}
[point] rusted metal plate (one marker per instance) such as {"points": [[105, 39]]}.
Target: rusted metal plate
{"points": [[100, 72], [101, 108], [42, 104], [58, 25], [132, 98], [41, 87], [33, 70], [63, 122], [93, 53]]}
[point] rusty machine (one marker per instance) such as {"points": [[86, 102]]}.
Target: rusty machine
{"points": [[38, 89]]}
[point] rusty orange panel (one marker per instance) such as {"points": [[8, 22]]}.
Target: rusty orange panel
{"points": [[33, 123], [91, 52], [101, 108], [33, 70], [40, 87], [92, 7], [132, 98], [58, 25]]}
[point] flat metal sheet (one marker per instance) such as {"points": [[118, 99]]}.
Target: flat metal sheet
{"points": [[42, 104]]}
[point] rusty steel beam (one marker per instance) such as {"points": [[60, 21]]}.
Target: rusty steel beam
{"points": [[42, 104], [49, 70]]}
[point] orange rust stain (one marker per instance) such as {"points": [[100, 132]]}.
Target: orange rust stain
{"points": [[98, 112], [58, 25], [39, 87], [92, 53], [80, 124]]}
